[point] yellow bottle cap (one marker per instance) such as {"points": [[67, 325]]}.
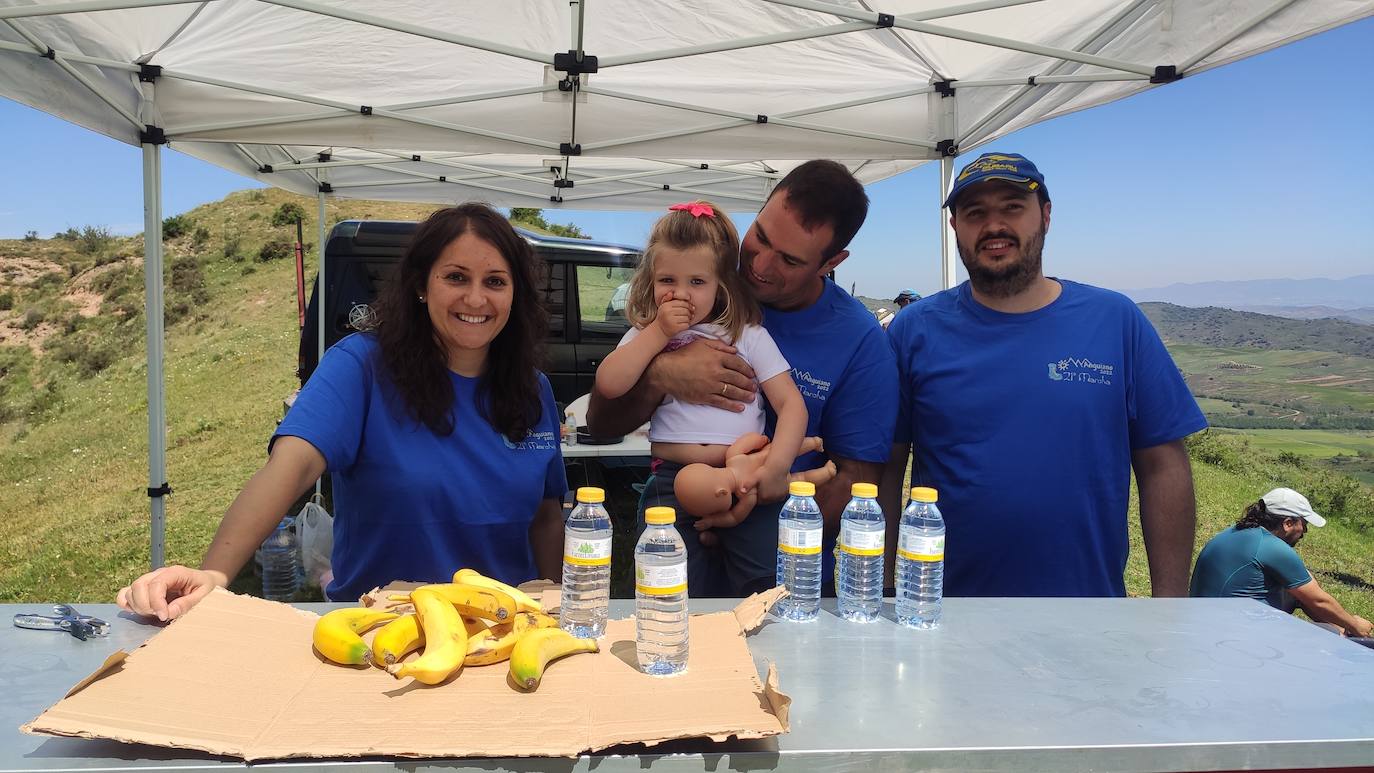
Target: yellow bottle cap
{"points": [[924, 494], [867, 490], [800, 488], [591, 494], [660, 515]]}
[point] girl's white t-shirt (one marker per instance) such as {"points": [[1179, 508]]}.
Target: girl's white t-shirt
{"points": [[679, 422]]}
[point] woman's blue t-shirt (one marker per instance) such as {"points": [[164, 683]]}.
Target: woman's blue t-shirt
{"points": [[413, 505]]}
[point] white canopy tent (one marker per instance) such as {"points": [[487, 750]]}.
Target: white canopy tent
{"points": [[592, 104]]}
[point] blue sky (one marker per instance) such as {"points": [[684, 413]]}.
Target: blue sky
{"points": [[1257, 170]]}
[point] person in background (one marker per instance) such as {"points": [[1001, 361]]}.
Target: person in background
{"points": [[840, 360], [1256, 559], [904, 298], [440, 433], [1028, 401]]}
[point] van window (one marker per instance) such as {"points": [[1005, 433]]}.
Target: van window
{"points": [[601, 298]]}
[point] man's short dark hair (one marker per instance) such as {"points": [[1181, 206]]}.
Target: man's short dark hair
{"points": [[824, 192]]}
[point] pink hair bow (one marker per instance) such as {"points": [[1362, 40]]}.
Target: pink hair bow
{"points": [[696, 210]]}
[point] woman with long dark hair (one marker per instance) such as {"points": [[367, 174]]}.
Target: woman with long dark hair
{"points": [[439, 432]]}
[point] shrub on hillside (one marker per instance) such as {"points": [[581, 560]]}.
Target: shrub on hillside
{"points": [[31, 319], [1210, 448], [200, 237], [232, 250], [69, 235], [30, 236], [175, 226], [49, 280], [95, 239], [6, 301], [275, 250], [288, 214], [88, 356]]}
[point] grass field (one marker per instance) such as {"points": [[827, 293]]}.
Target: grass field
{"points": [[1277, 382]]}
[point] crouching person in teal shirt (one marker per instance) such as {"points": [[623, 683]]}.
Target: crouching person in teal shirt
{"points": [[1256, 559], [440, 436]]}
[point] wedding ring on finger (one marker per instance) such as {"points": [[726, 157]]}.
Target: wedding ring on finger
{"points": [[723, 387]]}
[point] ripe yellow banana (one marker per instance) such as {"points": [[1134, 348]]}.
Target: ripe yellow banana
{"points": [[446, 640], [396, 639], [496, 643], [475, 625], [537, 649], [486, 603], [522, 599], [336, 635]]}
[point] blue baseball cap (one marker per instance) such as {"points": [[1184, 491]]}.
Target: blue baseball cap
{"points": [[1011, 167], [907, 293]]}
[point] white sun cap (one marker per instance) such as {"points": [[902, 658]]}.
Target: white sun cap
{"points": [[1290, 504]]}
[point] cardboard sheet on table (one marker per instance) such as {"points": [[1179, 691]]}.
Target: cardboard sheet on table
{"points": [[237, 676]]}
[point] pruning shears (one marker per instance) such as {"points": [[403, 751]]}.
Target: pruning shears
{"points": [[67, 619]]}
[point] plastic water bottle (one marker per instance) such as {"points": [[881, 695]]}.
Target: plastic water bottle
{"points": [[860, 589], [586, 566], [921, 561], [280, 557], [661, 595], [569, 428], [799, 553]]}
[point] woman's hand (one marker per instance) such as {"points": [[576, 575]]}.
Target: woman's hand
{"points": [[169, 592]]}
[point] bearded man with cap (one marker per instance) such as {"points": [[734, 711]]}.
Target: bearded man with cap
{"points": [[1256, 559], [1028, 401]]}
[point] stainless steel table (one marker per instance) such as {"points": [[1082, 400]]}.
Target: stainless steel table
{"points": [[1005, 685]]}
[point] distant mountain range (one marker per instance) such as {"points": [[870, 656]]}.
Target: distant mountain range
{"points": [[1224, 328], [1351, 299]]}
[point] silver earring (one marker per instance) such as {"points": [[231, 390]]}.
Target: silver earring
{"points": [[422, 299]]}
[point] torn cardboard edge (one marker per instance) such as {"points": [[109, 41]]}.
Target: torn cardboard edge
{"points": [[236, 677]]}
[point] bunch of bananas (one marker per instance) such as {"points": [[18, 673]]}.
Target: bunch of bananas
{"points": [[472, 621]]}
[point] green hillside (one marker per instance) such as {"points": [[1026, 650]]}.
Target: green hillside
{"points": [[1223, 328], [74, 521]]}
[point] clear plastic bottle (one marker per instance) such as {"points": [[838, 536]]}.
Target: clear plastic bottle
{"points": [[860, 569], [569, 428], [799, 553], [921, 561], [586, 566], [280, 558], [661, 595]]}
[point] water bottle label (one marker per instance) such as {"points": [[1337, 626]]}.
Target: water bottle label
{"points": [[661, 580], [920, 547], [861, 542], [801, 542], [586, 552]]}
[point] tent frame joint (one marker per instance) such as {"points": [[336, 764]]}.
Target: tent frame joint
{"points": [[886, 20], [760, 119], [325, 157], [563, 182], [569, 148], [365, 109], [574, 63], [152, 135], [944, 88], [148, 73], [326, 188], [160, 491], [947, 148], [50, 54], [1166, 73], [266, 169]]}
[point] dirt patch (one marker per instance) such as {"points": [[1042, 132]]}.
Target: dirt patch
{"points": [[11, 334], [1345, 382], [1314, 379], [87, 303], [24, 271], [83, 280]]}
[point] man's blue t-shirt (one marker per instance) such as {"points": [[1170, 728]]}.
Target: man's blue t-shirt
{"points": [[844, 368], [1025, 424], [413, 505], [1248, 563]]}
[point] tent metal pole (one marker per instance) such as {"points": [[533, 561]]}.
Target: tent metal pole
{"points": [[152, 313], [319, 297], [947, 243]]}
